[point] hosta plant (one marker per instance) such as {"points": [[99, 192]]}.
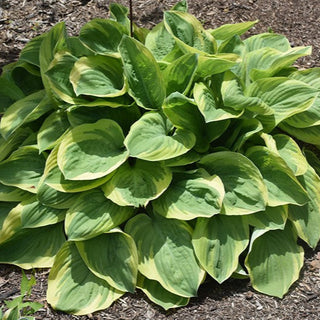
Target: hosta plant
{"points": [[148, 161]]}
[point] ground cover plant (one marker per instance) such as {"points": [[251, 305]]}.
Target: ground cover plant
{"points": [[19, 308], [148, 161]]}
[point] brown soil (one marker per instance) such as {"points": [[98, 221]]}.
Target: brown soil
{"points": [[20, 20]]}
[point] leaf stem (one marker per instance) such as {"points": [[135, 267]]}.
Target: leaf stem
{"points": [[131, 18]]}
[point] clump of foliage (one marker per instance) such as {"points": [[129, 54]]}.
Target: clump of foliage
{"points": [[19, 308], [151, 160]]}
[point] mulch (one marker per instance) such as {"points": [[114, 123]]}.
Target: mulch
{"points": [[21, 20]]}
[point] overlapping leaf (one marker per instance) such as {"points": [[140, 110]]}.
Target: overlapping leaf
{"points": [[191, 195], [146, 84], [306, 219], [283, 187], [218, 243], [92, 214], [72, 287], [165, 253], [54, 178], [137, 184], [189, 33], [273, 268], [112, 257], [153, 138], [23, 169], [241, 198], [97, 76], [23, 111], [157, 294], [100, 144]]}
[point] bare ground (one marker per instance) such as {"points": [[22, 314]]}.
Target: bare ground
{"points": [[21, 20]]}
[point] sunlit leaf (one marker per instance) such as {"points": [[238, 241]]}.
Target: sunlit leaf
{"points": [[100, 144], [273, 267], [246, 197], [73, 288], [92, 214], [191, 195], [165, 253]]}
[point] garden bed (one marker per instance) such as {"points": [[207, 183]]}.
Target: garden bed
{"points": [[22, 20]]}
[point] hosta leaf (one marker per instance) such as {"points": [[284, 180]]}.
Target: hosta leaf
{"points": [[265, 40], [38, 252], [313, 160], [149, 139], [100, 144], [10, 221], [53, 127], [157, 294], [25, 76], [191, 195], [307, 118], [205, 100], [245, 190], [35, 215], [272, 218], [146, 84], [73, 288], [58, 75], [283, 187], [274, 261], [181, 6], [179, 74], [102, 36], [112, 257], [228, 31], [189, 33], [12, 194], [285, 97], [218, 243], [306, 219], [82, 115], [310, 76], [23, 111], [77, 48], [185, 115], [120, 13], [166, 254], [213, 64], [93, 214], [266, 62], [23, 169], [216, 129], [5, 208], [160, 42], [310, 134], [13, 142], [9, 93], [54, 41], [54, 178], [30, 53], [311, 116], [59, 78], [290, 152], [53, 198], [138, 183], [243, 130], [234, 97], [98, 76], [187, 158]]}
